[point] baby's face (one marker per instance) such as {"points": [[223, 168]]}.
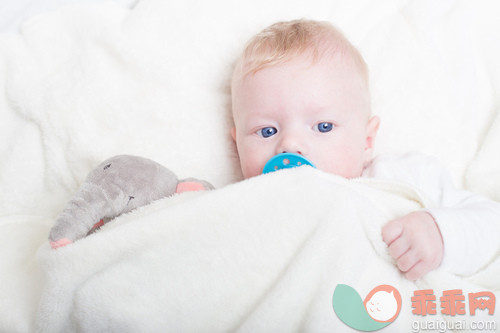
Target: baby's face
{"points": [[320, 111]]}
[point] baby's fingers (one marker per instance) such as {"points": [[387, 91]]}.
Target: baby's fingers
{"points": [[399, 247], [392, 231], [417, 271], [407, 261]]}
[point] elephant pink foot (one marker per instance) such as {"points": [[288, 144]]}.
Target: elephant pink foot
{"points": [[60, 242]]}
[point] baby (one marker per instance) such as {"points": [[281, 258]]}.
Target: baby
{"points": [[302, 87]]}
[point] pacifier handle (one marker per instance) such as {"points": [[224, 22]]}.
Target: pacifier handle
{"points": [[285, 161]]}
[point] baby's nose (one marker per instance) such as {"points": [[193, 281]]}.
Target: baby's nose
{"points": [[290, 151], [292, 144]]}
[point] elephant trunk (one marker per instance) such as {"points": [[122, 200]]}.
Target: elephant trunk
{"points": [[88, 207]]}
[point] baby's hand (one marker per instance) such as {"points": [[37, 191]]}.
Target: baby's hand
{"points": [[415, 242]]}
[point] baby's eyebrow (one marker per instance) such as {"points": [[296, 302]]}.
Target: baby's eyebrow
{"points": [[322, 114], [251, 122], [259, 117]]}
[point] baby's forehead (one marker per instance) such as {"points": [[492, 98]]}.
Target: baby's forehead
{"points": [[344, 61], [338, 67], [318, 85]]}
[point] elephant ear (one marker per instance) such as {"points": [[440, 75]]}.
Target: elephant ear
{"points": [[193, 184]]}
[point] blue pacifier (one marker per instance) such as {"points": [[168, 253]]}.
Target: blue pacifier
{"points": [[285, 161]]}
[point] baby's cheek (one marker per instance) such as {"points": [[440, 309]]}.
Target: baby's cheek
{"points": [[345, 164], [249, 171], [251, 166], [254, 160]]}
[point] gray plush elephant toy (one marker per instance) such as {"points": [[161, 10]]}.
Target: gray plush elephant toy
{"points": [[117, 186]]}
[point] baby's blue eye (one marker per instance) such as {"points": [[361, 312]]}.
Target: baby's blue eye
{"points": [[267, 132], [324, 127]]}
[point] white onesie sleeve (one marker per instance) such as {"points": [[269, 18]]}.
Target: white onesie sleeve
{"points": [[469, 223]]}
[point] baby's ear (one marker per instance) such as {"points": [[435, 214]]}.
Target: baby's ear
{"points": [[371, 133], [233, 133]]}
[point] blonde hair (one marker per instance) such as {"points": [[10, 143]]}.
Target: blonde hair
{"points": [[283, 41]]}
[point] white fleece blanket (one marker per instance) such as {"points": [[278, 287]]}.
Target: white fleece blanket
{"points": [[264, 255], [86, 82]]}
